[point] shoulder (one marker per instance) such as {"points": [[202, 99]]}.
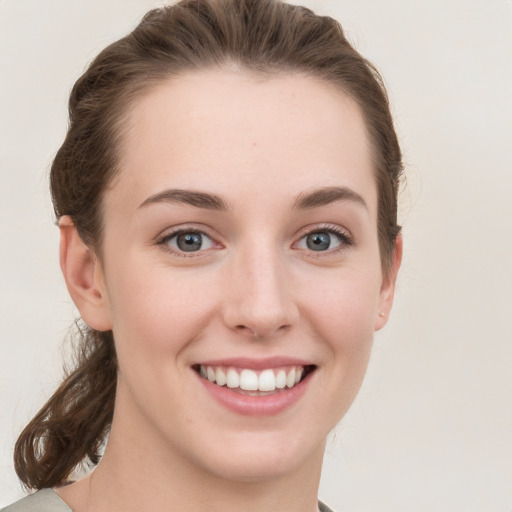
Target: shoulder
{"points": [[322, 507], [45, 500]]}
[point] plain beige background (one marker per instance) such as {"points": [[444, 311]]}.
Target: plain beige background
{"points": [[432, 427]]}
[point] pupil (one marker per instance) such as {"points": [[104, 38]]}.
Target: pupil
{"points": [[318, 241], [189, 241]]}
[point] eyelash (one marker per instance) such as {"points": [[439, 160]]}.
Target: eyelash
{"points": [[342, 235]]}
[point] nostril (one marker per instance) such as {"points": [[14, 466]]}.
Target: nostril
{"points": [[261, 333], [244, 328]]}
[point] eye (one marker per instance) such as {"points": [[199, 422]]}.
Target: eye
{"points": [[323, 240], [188, 241]]}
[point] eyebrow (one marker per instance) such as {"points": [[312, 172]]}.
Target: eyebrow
{"points": [[191, 197], [327, 195], [316, 198]]}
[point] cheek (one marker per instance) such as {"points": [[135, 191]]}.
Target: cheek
{"points": [[158, 311], [341, 314], [156, 316], [344, 308]]}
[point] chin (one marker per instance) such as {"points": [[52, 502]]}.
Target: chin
{"points": [[264, 458]]}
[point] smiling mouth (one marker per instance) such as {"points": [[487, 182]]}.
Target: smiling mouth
{"points": [[255, 383]]}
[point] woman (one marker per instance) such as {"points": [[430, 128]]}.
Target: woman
{"points": [[226, 196]]}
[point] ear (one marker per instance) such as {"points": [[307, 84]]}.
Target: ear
{"points": [[84, 277], [387, 290]]}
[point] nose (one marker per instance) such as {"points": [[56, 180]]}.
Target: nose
{"points": [[259, 296]]}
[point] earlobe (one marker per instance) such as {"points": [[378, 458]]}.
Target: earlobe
{"points": [[84, 277], [387, 290]]}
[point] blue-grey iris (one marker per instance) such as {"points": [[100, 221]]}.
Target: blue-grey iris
{"points": [[189, 242], [319, 241]]}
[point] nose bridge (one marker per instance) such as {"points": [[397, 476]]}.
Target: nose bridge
{"points": [[260, 303]]}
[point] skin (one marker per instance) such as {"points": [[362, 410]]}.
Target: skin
{"points": [[256, 290]]}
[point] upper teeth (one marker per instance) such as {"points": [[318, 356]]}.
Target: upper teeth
{"points": [[250, 380]]}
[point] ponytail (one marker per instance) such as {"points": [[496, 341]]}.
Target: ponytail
{"points": [[72, 426]]}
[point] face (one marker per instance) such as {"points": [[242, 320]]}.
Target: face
{"points": [[240, 270]]}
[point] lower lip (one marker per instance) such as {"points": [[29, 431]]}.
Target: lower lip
{"points": [[266, 405]]}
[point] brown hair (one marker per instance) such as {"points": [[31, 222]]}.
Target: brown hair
{"points": [[263, 36]]}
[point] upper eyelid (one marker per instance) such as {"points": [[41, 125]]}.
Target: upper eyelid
{"points": [[174, 231], [332, 228]]}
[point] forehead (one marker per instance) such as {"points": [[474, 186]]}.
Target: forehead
{"points": [[226, 129]]}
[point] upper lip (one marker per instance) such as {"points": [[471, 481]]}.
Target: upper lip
{"points": [[256, 364]]}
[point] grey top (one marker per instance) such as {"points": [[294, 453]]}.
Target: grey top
{"points": [[47, 500]]}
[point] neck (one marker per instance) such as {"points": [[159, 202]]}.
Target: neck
{"points": [[143, 477]]}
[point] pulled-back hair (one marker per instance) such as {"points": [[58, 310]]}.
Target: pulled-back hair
{"points": [[261, 36]]}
